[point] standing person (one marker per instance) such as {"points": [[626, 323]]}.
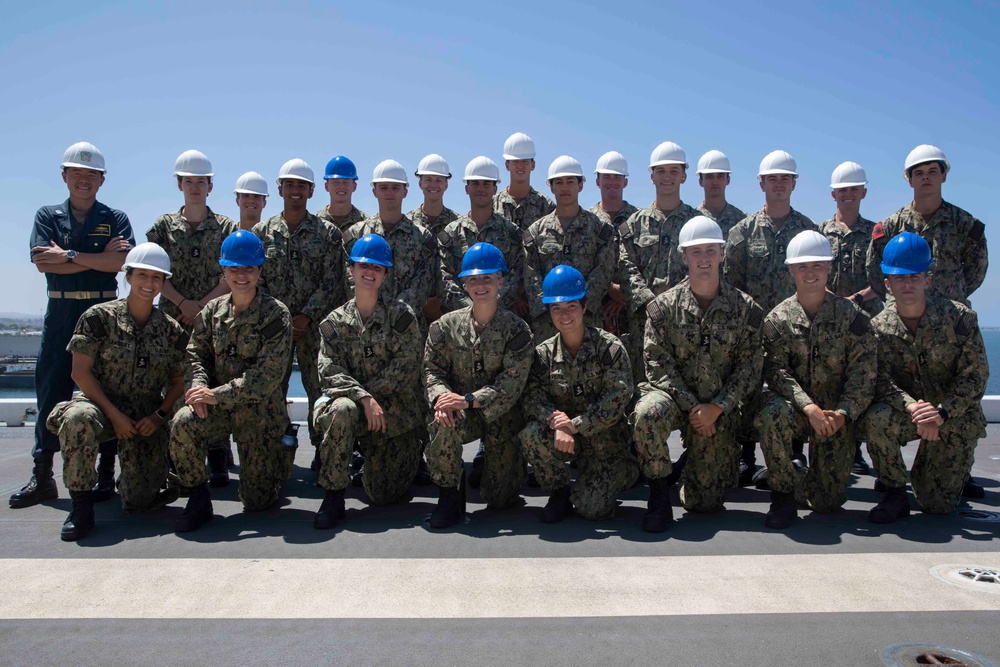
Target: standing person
{"points": [[755, 264], [932, 373], [79, 245], [251, 198], [703, 359], [476, 363], [369, 368], [341, 181], [569, 235], [575, 401], [714, 173], [433, 175], [127, 361], [958, 238], [519, 202], [192, 237], [237, 357], [612, 179], [819, 365], [305, 272]]}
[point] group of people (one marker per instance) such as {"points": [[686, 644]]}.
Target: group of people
{"points": [[554, 334]]}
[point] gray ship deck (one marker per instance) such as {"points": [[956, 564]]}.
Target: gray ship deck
{"points": [[501, 589]]}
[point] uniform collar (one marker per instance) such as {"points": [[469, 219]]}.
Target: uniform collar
{"points": [[586, 351]]}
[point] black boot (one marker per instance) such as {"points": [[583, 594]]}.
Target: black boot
{"points": [[894, 505], [558, 507], [105, 478], [230, 461], [659, 515], [197, 512], [973, 490], [451, 506], [331, 512], [40, 487], [799, 453], [748, 462], [81, 517], [782, 512], [860, 466], [218, 472], [476, 474]]}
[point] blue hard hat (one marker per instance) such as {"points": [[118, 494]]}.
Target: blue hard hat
{"points": [[340, 167], [563, 283], [242, 248], [482, 258], [906, 253], [371, 249]]}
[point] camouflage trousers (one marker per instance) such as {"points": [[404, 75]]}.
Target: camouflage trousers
{"points": [[504, 466], [390, 462], [940, 467], [824, 487], [257, 429], [711, 467], [81, 427], [633, 339], [306, 351], [605, 464]]}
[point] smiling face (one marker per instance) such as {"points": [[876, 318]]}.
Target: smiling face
{"points": [[612, 186], [145, 283], [295, 193], [702, 260], [849, 199], [242, 280], [83, 184], [368, 276], [668, 178], [481, 193], [567, 316], [810, 277], [777, 188], [520, 170], [341, 189], [483, 288], [251, 205], [433, 187]]}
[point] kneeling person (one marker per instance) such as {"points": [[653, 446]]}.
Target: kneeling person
{"points": [[580, 385], [476, 363], [125, 353], [237, 357], [932, 377], [819, 364], [702, 360], [369, 372]]}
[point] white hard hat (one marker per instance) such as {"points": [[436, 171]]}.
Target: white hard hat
{"points": [[808, 246], [667, 153], [433, 165], [296, 169], [148, 256], [925, 153], [612, 162], [564, 165], [84, 155], [389, 171], [714, 162], [698, 230], [778, 162], [519, 146], [251, 183], [848, 175], [482, 169], [193, 163]]}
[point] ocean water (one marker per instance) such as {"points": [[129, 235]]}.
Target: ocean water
{"points": [[295, 389]]}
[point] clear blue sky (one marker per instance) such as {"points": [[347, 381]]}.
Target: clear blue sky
{"points": [[254, 84]]}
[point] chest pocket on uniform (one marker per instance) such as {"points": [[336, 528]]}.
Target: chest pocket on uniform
{"points": [[248, 347], [688, 341], [760, 259]]}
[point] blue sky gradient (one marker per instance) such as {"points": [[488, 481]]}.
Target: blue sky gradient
{"points": [[254, 84]]}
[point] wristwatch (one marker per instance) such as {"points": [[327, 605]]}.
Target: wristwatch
{"points": [[470, 399], [161, 414], [858, 299], [70, 255], [943, 413]]}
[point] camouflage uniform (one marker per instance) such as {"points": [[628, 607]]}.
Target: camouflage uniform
{"points": [[829, 361], [958, 246], [594, 388], [945, 364], [414, 273], [438, 224], [693, 357], [531, 208], [305, 271], [194, 254], [494, 366], [850, 254], [651, 264], [356, 215], [133, 365], [588, 244], [242, 358], [727, 219], [378, 358], [461, 235], [621, 328]]}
